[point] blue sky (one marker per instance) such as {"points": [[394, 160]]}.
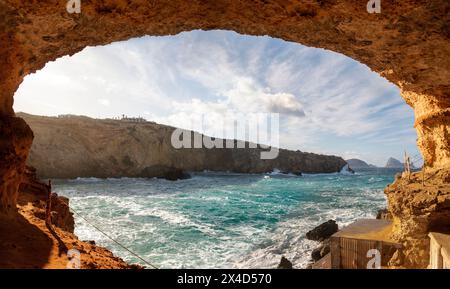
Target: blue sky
{"points": [[328, 102]]}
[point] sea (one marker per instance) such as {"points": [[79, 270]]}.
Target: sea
{"points": [[220, 220]]}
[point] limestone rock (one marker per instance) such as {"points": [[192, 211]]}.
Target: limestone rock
{"points": [[323, 231], [71, 147], [164, 172], [61, 214], [15, 142], [419, 204], [284, 263], [383, 214], [32, 190]]}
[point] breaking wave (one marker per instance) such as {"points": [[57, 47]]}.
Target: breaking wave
{"points": [[219, 220]]}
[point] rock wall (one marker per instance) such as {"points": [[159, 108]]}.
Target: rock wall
{"points": [[85, 147], [408, 43], [15, 142], [419, 204], [33, 192]]}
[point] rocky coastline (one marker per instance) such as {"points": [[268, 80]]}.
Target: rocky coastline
{"points": [[28, 241], [79, 146], [322, 234]]}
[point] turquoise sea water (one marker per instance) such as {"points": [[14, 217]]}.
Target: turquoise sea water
{"points": [[219, 220]]}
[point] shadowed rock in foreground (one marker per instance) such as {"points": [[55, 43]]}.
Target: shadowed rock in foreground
{"points": [[323, 231], [27, 242]]}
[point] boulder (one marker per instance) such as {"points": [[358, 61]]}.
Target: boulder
{"points": [[176, 174], [32, 190], [323, 231], [61, 216], [320, 252], [315, 254], [297, 173], [165, 172], [284, 263]]}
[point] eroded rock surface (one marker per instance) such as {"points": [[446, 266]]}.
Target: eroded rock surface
{"points": [[323, 231], [15, 142], [284, 263], [408, 43], [33, 192], [419, 204]]}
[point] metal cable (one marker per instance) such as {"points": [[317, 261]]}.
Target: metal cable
{"points": [[115, 241]]}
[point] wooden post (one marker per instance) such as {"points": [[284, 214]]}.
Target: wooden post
{"points": [[409, 167], [48, 209], [404, 161], [423, 175], [406, 164]]}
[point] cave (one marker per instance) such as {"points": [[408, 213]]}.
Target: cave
{"points": [[408, 43]]}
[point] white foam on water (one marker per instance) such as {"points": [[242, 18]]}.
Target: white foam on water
{"points": [[167, 216], [250, 243]]}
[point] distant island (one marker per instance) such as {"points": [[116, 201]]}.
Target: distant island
{"points": [[393, 163], [359, 164]]}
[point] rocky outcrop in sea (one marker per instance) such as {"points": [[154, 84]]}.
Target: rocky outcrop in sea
{"points": [[321, 234]]}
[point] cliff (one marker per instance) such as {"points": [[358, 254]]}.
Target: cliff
{"points": [[359, 164], [32, 191], [73, 147]]}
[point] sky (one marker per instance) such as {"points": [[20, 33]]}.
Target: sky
{"points": [[328, 103]]}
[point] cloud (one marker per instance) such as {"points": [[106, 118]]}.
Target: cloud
{"points": [[247, 95]]}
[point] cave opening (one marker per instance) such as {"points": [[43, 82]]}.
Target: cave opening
{"points": [[94, 117], [409, 47]]}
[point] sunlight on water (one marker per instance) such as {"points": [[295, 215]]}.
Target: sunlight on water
{"points": [[218, 220]]}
